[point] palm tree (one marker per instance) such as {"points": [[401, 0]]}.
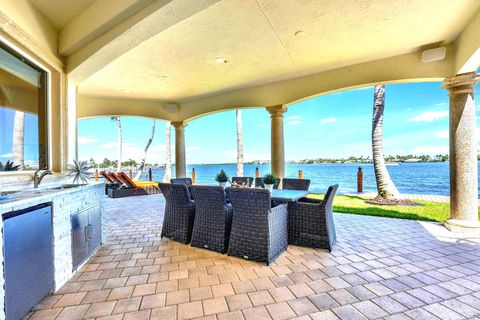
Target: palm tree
{"points": [[144, 159], [18, 138], [385, 186], [119, 127], [239, 144], [168, 154]]}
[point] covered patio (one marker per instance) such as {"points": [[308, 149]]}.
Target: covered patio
{"points": [[177, 60], [380, 268]]}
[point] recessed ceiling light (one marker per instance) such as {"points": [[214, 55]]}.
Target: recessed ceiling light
{"points": [[220, 60], [126, 91]]}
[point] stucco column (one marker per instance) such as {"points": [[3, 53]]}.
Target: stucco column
{"points": [[277, 142], [180, 162], [463, 154]]}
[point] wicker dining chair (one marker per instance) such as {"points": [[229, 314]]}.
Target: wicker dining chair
{"points": [[179, 212], [310, 224], [247, 181], [213, 218], [259, 232], [185, 181], [295, 184]]}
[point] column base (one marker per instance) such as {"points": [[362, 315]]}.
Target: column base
{"points": [[462, 226]]}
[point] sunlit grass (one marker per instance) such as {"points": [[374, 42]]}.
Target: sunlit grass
{"points": [[429, 211]]}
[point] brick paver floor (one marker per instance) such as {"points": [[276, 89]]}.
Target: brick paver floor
{"points": [[380, 268]]}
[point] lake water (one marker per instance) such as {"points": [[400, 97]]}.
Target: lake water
{"points": [[410, 178]]}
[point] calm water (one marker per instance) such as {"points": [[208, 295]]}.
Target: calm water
{"points": [[410, 178]]}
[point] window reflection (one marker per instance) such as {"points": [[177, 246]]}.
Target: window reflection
{"points": [[23, 115]]}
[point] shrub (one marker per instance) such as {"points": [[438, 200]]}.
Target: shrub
{"points": [[269, 179], [221, 176]]}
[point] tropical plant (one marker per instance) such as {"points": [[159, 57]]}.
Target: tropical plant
{"points": [[79, 169], [385, 186], [144, 159], [168, 153], [239, 144], [221, 176], [92, 163], [9, 166], [269, 179], [119, 129], [18, 144]]}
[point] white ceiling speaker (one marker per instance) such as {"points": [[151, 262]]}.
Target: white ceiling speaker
{"points": [[432, 55], [171, 107]]}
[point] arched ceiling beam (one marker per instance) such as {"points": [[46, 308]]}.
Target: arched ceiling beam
{"points": [[403, 68]]}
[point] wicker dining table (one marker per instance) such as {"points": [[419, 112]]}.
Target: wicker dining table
{"points": [[281, 195]]}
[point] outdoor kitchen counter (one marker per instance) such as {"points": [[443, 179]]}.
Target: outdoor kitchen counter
{"points": [[64, 203]]}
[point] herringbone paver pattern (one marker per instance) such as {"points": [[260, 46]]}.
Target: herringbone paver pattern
{"points": [[380, 268]]}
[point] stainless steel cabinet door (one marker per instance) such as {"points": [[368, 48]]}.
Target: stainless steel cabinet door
{"points": [[95, 228], [80, 241], [28, 265]]}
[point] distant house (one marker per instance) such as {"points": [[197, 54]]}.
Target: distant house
{"points": [[413, 160]]}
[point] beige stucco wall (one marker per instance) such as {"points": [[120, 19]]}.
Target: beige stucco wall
{"points": [[467, 47], [24, 15], [25, 31]]}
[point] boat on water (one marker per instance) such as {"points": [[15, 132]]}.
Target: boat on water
{"points": [[393, 164]]}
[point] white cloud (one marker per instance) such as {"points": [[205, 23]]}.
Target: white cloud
{"points": [[430, 116], [230, 154], [445, 134], [193, 149], [6, 155], [289, 118], [158, 147], [429, 150], [294, 122], [442, 134], [83, 140], [328, 120], [440, 104]]}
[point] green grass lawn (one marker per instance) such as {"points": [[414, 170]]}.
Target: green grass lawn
{"points": [[430, 211]]}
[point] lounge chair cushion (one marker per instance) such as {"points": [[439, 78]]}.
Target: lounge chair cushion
{"points": [[137, 184]]}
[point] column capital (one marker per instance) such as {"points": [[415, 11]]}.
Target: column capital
{"points": [[179, 124], [461, 83], [277, 111]]}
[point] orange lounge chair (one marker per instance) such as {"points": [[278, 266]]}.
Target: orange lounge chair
{"points": [[130, 187], [110, 182]]}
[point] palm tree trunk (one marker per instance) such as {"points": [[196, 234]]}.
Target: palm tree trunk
{"points": [[239, 144], [168, 154], [120, 144], [18, 138], [149, 142], [385, 186]]}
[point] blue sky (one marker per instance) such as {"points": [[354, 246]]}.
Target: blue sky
{"points": [[331, 126], [6, 136]]}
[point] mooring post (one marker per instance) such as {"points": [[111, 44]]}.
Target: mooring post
{"points": [[194, 176], [150, 174], [360, 180]]}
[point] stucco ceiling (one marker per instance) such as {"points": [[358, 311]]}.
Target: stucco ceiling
{"points": [[60, 13], [268, 40]]}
